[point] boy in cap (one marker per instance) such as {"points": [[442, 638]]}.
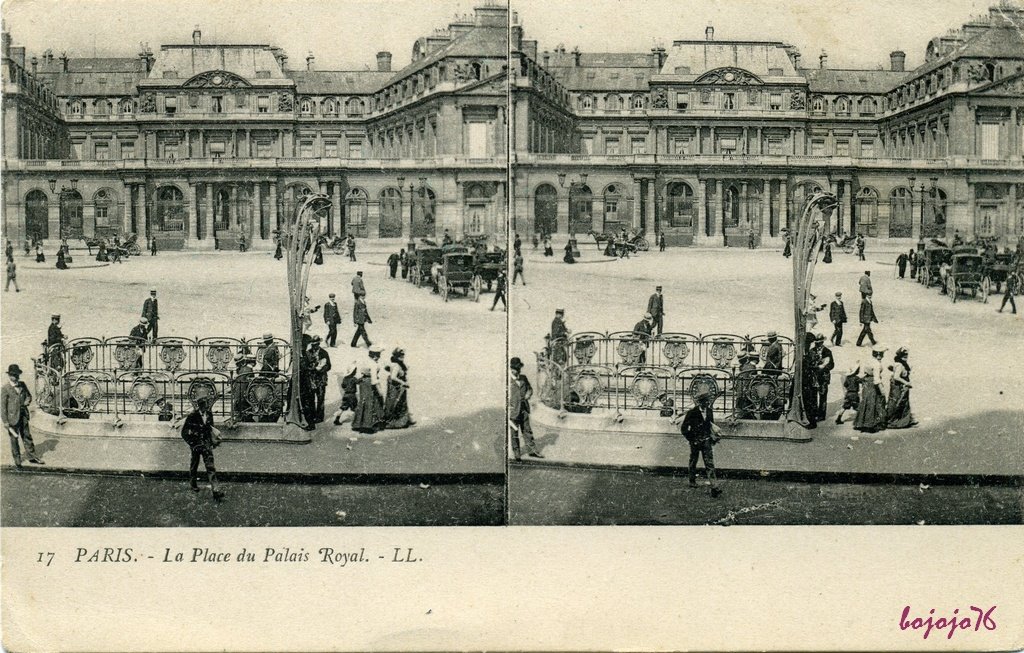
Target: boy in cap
{"points": [[851, 393], [702, 433], [520, 392], [332, 318], [14, 400], [643, 330], [199, 433]]}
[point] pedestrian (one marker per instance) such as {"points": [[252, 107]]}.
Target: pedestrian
{"points": [[1012, 286], [367, 414], [403, 260], [151, 311], [787, 251], [559, 337], [200, 435], [851, 393], [319, 367], [27, 246], [548, 250], [358, 288], [271, 364], [520, 393], [661, 242], [62, 262], [811, 313], [9, 251], [837, 316], [828, 253], [864, 284], [898, 415], [240, 406], [773, 355], [750, 239], [318, 252], [656, 307], [40, 255], [747, 369], [702, 433], [396, 402], [351, 244], [360, 317], [241, 242], [348, 386], [912, 261], [55, 343], [826, 363], [643, 330], [811, 379], [871, 415], [568, 258], [901, 264], [517, 267], [152, 246], [138, 334], [499, 291], [14, 400], [332, 318], [535, 240], [278, 254], [860, 246], [12, 276], [867, 317], [517, 246], [393, 265]]}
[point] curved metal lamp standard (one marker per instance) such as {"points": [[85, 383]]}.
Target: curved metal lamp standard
{"points": [[806, 246], [300, 246]]}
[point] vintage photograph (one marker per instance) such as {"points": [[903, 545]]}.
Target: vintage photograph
{"points": [[766, 262], [250, 257]]}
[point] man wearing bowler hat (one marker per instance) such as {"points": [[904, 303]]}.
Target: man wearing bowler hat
{"points": [[519, 396], [332, 317], [14, 399], [151, 312], [643, 330], [702, 433], [837, 316], [773, 355], [656, 307]]}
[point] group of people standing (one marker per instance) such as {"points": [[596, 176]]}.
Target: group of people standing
{"points": [[374, 394]]}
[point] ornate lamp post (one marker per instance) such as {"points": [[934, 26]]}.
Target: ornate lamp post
{"points": [[298, 240], [65, 193], [809, 231]]}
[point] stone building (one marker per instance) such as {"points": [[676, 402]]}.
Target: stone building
{"points": [[709, 141], [198, 145]]}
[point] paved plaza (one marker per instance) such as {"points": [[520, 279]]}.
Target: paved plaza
{"points": [[965, 357], [455, 353]]}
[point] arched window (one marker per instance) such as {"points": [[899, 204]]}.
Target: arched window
{"points": [[990, 71], [77, 107], [390, 213], [581, 209], [71, 214], [104, 205], [636, 102], [424, 213], [329, 107], [868, 106], [355, 212], [613, 209], [476, 209], [612, 102], [842, 106], [934, 224], [731, 206], [679, 207], [354, 107], [170, 209], [127, 106], [586, 103], [545, 209], [901, 202], [866, 212], [37, 215], [476, 70], [818, 104]]}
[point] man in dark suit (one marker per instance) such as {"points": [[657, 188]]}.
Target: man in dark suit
{"points": [[519, 395], [656, 307], [319, 367], [151, 312], [358, 287], [138, 335], [773, 355], [499, 291], [702, 433], [360, 317], [559, 337], [14, 399], [643, 330], [837, 315], [198, 434], [55, 342], [332, 317], [826, 363], [271, 355], [867, 316]]}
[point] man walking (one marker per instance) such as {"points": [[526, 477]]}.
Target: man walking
{"points": [[517, 268], [1012, 281], [358, 289], [198, 434], [151, 312], [661, 242], [14, 400], [351, 246], [360, 317], [860, 246], [520, 393], [12, 276], [864, 283], [837, 316], [319, 364], [702, 433], [656, 307], [901, 264], [867, 316], [774, 354], [271, 355], [332, 318], [499, 291], [643, 330]]}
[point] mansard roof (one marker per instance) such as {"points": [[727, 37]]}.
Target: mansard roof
{"points": [[338, 82], [757, 57], [1000, 39], [187, 61], [480, 41], [853, 82]]}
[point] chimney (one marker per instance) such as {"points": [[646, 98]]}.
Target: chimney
{"points": [[5, 43], [823, 60], [545, 58], [576, 56], [197, 36], [64, 62], [709, 33], [659, 56], [35, 63], [897, 61], [384, 62], [517, 38], [796, 60], [310, 60]]}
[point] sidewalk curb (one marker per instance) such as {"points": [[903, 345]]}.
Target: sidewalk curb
{"points": [[797, 476]]}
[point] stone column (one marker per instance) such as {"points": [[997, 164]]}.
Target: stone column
{"points": [[766, 209], [498, 228], [407, 209], [968, 230], [210, 218], [1012, 231], [848, 207], [257, 212], [126, 219], [712, 204], [783, 203], [637, 193], [233, 209], [191, 218], [562, 218], [652, 200], [272, 205], [336, 208], [744, 209], [711, 142], [700, 236], [140, 209]]}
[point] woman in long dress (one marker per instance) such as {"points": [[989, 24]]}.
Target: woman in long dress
{"points": [[871, 416], [368, 408], [788, 251], [568, 258], [899, 415], [40, 256], [548, 251], [828, 252], [396, 408], [62, 263]]}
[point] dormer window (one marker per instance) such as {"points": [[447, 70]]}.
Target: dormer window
{"points": [[306, 106], [586, 103], [171, 104], [127, 106], [217, 104], [818, 104]]}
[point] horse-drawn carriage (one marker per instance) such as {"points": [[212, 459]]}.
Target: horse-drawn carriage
{"points": [[966, 273], [635, 242], [421, 261], [932, 258], [997, 270], [489, 265], [458, 271]]}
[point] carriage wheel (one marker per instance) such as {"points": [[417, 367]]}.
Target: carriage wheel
{"points": [[642, 245], [986, 288]]}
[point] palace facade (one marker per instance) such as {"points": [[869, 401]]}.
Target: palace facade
{"points": [[709, 141], [199, 145]]}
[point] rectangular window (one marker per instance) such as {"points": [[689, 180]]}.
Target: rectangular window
{"points": [[639, 145], [775, 147], [355, 149], [729, 101], [217, 149], [867, 149], [217, 104], [171, 104], [681, 146], [817, 148], [264, 149], [127, 150], [989, 141], [842, 148], [682, 101], [727, 146], [331, 149], [611, 146], [775, 102], [170, 149], [102, 151], [102, 216], [477, 139], [587, 145], [76, 151], [263, 104], [306, 149]]}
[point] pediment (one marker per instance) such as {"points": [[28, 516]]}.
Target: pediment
{"points": [[216, 79], [729, 76], [1010, 86]]}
